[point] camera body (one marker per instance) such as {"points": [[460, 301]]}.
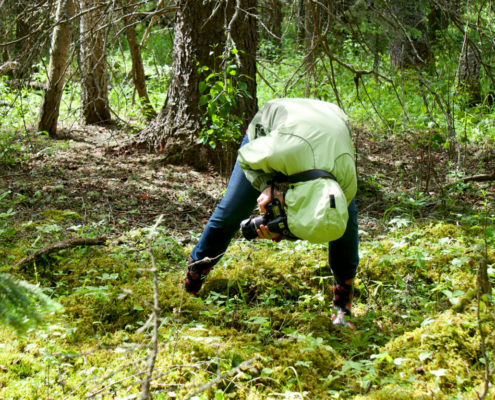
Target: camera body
{"points": [[275, 220]]}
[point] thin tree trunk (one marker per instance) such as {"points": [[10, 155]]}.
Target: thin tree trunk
{"points": [[138, 75], [469, 77], [308, 45], [300, 21], [94, 90], [272, 19], [407, 51], [22, 26], [199, 40], [437, 21], [3, 38], [52, 96]]}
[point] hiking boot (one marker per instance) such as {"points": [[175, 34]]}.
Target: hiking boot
{"points": [[342, 299], [195, 277]]}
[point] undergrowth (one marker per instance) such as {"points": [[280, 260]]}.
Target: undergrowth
{"points": [[416, 332]]}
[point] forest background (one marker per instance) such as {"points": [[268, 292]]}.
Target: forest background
{"points": [[120, 121]]}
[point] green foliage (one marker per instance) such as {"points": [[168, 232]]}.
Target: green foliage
{"points": [[21, 304], [220, 92]]}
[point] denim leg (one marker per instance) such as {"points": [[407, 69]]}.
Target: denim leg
{"points": [[343, 253], [237, 204]]}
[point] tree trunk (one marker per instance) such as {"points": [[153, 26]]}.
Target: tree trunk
{"points": [[410, 48], [138, 76], [469, 77], [3, 38], [94, 87], [199, 40], [22, 26], [300, 21], [61, 40], [437, 21], [309, 41], [271, 14]]}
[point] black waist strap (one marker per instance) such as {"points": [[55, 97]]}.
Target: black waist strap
{"points": [[304, 176]]}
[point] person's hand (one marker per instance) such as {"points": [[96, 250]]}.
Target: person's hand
{"points": [[264, 233], [266, 197]]}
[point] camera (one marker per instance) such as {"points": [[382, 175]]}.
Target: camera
{"points": [[275, 220]]}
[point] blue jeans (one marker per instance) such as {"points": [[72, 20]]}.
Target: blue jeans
{"points": [[238, 204]]}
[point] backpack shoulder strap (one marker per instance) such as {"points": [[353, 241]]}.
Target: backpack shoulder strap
{"points": [[304, 176]]}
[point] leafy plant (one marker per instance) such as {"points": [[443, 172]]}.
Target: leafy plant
{"points": [[220, 94]]}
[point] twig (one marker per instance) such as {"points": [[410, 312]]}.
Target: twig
{"points": [[145, 391], [66, 244], [152, 22], [233, 371]]}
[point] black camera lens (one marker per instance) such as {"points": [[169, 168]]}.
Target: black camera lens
{"points": [[249, 227]]}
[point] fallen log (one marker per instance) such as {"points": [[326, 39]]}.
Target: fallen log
{"points": [[66, 244], [478, 178], [8, 67]]}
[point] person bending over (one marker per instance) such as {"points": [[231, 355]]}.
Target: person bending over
{"points": [[301, 152]]}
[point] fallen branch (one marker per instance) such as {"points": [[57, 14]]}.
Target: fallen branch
{"points": [[18, 83], [478, 178], [66, 244]]}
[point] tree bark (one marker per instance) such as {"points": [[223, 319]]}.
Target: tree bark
{"points": [[52, 96], [94, 87], [22, 26], [199, 40], [300, 21], [309, 41], [3, 38], [271, 14], [469, 77], [437, 21], [138, 76], [409, 48]]}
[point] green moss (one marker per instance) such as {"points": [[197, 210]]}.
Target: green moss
{"points": [[60, 216]]}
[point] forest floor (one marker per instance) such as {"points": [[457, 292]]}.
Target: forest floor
{"points": [[417, 328]]}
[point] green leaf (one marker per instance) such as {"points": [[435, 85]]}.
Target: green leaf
{"points": [[224, 111], [489, 232], [242, 86], [236, 360], [219, 86], [425, 355], [266, 372], [203, 100], [202, 87], [219, 395]]}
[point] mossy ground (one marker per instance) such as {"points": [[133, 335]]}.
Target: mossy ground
{"points": [[416, 332], [263, 299]]}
